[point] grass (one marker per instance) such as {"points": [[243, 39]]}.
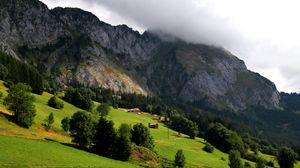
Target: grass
{"points": [[19, 152], [45, 153], [167, 142]]}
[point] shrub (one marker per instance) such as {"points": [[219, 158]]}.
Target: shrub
{"points": [[223, 138], [184, 125], [235, 159], [21, 102], [286, 157], [270, 163], [82, 128], [260, 163], [251, 157], [141, 136], [80, 97], [103, 109], [55, 103], [179, 159], [65, 124], [208, 148], [247, 164]]}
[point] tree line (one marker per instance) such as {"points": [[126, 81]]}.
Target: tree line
{"points": [[14, 71]]}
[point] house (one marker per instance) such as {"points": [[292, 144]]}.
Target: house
{"points": [[135, 110], [151, 125]]}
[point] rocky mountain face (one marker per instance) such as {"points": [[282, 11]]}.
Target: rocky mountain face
{"points": [[73, 46]]}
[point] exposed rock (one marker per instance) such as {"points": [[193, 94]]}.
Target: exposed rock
{"points": [[72, 45]]}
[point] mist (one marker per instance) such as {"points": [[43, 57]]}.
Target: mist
{"points": [[264, 33]]}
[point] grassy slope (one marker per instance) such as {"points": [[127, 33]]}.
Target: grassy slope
{"points": [[17, 152], [165, 145]]}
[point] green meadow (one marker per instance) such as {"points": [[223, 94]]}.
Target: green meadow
{"points": [[32, 147]]}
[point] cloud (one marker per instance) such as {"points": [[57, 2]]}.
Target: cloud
{"points": [[264, 33]]}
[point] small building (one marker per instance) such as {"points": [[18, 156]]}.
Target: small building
{"points": [[164, 119], [135, 110], [151, 125]]}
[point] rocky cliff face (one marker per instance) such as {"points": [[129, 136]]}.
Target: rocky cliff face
{"points": [[71, 45]]}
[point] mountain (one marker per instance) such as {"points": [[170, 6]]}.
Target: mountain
{"points": [[72, 46]]}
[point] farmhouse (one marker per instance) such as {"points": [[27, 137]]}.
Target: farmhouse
{"points": [[135, 110], [151, 125]]}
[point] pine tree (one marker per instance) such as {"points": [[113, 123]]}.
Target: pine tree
{"points": [[179, 159], [49, 121]]}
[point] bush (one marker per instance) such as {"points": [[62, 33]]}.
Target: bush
{"points": [[235, 159], [260, 163], [141, 136], [49, 121], [286, 157], [185, 126], [251, 157], [65, 124], [247, 164], [21, 102], [223, 138], [270, 163], [208, 148], [80, 97], [179, 159], [82, 128], [55, 103], [103, 109]]}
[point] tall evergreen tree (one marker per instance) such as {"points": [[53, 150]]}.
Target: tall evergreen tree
{"points": [[49, 121], [179, 159]]}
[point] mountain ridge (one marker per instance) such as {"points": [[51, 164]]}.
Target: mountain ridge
{"points": [[69, 45]]}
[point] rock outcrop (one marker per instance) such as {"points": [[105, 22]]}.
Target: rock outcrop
{"points": [[73, 46]]}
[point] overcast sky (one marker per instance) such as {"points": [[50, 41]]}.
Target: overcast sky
{"points": [[263, 33]]}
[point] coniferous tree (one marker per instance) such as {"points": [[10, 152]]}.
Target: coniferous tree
{"points": [[179, 159], [49, 121]]}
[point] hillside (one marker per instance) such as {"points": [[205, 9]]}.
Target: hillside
{"points": [[166, 141]]}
